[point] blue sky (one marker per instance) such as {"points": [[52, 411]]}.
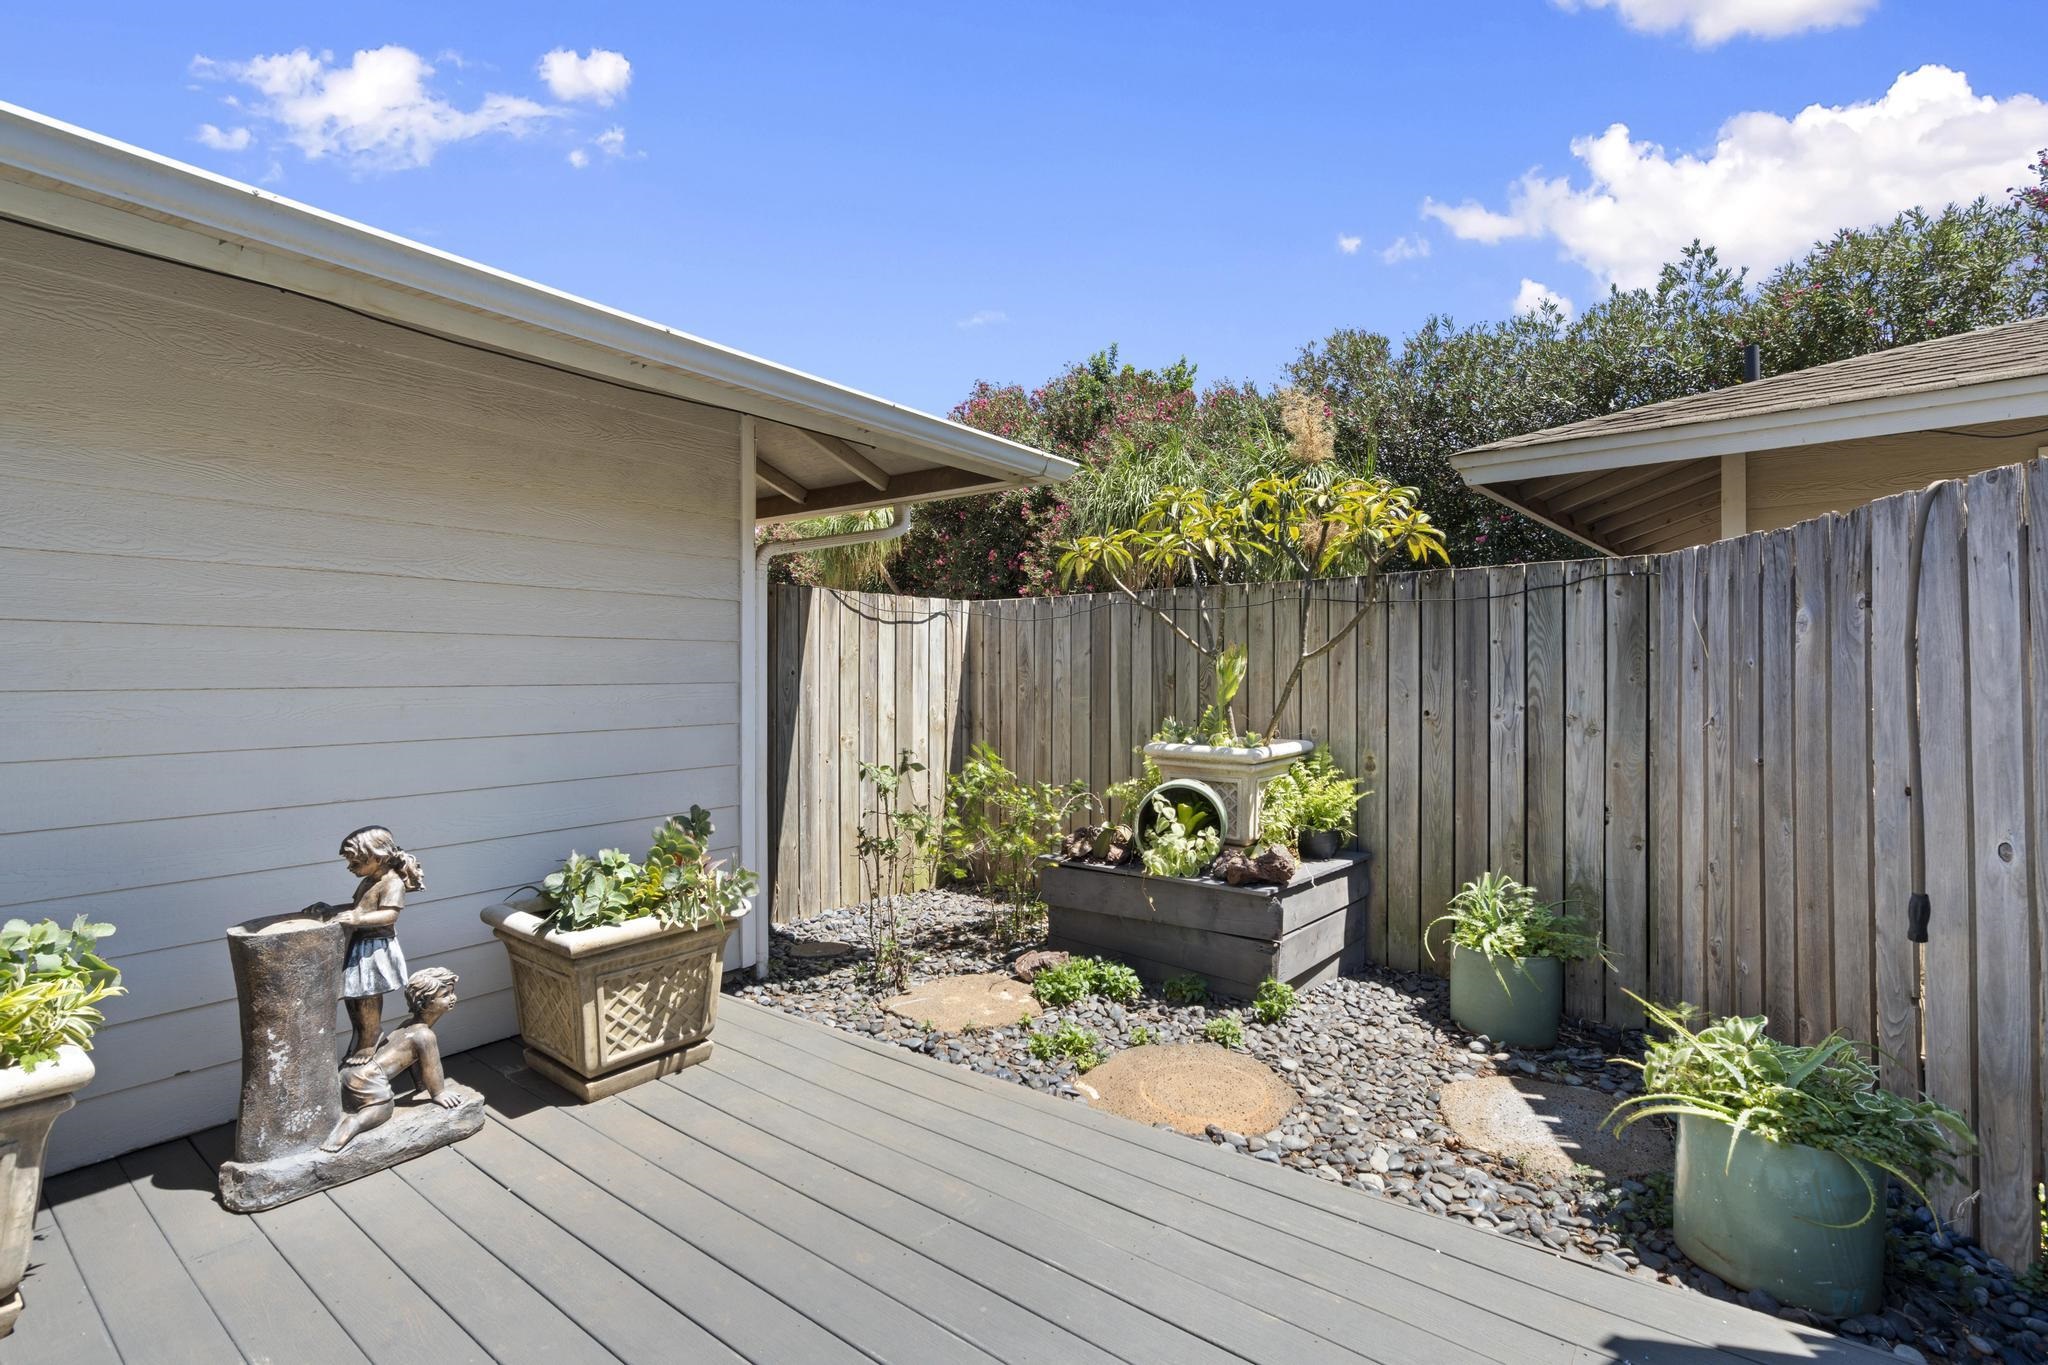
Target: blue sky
{"points": [[908, 197]]}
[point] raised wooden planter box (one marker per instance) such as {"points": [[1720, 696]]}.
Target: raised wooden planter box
{"points": [[1236, 936], [604, 1009]]}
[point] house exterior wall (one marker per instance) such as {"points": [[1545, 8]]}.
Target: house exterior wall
{"points": [[274, 570], [1791, 486]]}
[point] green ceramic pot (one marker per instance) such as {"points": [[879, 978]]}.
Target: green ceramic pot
{"points": [[1757, 1218], [1516, 1004]]}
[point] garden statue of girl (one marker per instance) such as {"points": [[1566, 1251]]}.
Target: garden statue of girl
{"points": [[375, 964], [367, 1100]]}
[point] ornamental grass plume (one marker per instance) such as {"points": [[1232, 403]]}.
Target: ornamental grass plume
{"points": [[1307, 420]]}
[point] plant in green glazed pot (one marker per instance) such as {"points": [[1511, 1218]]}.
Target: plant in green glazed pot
{"points": [[1508, 952], [52, 980], [1313, 806], [1783, 1153], [616, 965]]}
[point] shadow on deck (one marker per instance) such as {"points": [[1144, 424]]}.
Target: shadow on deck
{"points": [[809, 1196]]}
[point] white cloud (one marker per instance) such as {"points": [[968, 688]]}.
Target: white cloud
{"points": [[223, 139], [612, 141], [377, 113], [579, 158], [1531, 298], [599, 76], [1349, 245], [1716, 21], [986, 317], [1769, 186], [1405, 249]]}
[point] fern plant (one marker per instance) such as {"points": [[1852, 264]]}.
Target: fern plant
{"points": [[52, 980]]}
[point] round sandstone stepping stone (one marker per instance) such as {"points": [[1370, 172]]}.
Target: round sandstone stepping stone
{"points": [[819, 947], [952, 1003], [1551, 1127], [1190, 1086]]}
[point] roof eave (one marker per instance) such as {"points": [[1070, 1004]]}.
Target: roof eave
{"points": [[1889, 415], [67, 178]]}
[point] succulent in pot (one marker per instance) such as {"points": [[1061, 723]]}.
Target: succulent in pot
{"points": [[1783, 1153], [52, 980], [1312, 806], [1508, 952], [615, 966]]}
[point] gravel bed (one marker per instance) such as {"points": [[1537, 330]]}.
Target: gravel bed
{"points": [[1369, 1056]]}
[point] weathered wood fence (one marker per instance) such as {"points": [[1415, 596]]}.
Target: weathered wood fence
{"points": [[1739, 760]]}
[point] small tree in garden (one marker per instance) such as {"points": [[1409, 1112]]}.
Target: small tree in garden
{"points": [[1292, 529], [998, 826], [891, 845]]}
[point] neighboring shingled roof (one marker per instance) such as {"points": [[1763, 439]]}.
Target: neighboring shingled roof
{"points": [[2011, 351]]}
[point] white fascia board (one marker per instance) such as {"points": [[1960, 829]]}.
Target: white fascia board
{"points": [[66, 178], [1759, 433]]}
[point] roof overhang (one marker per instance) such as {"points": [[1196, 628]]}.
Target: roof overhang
{"points": [[866, 450], [1632, 492]]}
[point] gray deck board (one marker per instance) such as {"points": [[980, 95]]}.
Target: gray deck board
{"points": [[809, 1195]]}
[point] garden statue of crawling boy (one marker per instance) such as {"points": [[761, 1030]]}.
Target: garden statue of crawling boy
{"points": [[366, 1093]]}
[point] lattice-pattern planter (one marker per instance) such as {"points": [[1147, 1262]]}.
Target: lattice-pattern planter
{"points": [[30, 1102], [604, 1009], [1239, 776]]}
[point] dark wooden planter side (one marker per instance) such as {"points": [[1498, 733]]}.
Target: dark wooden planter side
{"points": [[1236, 936]]}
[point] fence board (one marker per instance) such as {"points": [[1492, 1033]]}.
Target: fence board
{"points": [[1543, 708], [1692, 777], [1469, 747], [1508, 699], [1369, 653], [1720, 909], [1811, 870], [1585, 835], [1780, 891], [1666, 933], [1402, 853], [1745, 738], [1437, 610], [1893, 549], [2001, 855], [1849, 754], [1627, 750], [2037, 672], [1951, 998]]}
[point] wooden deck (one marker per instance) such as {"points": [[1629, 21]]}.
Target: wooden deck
{"points": [[809, 1196]]}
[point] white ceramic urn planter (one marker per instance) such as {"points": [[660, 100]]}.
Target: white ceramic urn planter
{"points": [[604, 1009], [30, 1102], [1238, 775]]}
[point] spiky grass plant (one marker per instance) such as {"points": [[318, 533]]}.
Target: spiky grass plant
{"points": [[1498, 917], [1825, 1095]]}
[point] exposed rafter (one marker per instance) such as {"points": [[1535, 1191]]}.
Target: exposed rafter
{"points": [[914, 486], [768, 476], [846, 457]]}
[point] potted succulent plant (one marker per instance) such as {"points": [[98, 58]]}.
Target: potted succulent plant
{"points": [[51, 982], [616, 964], [1313, 806], [1783, 1151], [1508, 952]]}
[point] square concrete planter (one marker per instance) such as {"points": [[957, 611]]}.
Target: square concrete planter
{"points": [[30, 1102], [604, 1009], [1238, 776]]}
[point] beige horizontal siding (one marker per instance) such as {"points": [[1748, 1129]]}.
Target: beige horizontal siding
{"points": [[273, 571]]}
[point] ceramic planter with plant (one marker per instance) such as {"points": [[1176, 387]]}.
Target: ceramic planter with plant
{"points": [[51, 982], [616, 964], [1508, 952], [1312, 806], [1783, 1153], [1284, 532]]}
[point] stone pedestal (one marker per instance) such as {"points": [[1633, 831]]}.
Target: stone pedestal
{"points": [[288, 978], [285, 967]]}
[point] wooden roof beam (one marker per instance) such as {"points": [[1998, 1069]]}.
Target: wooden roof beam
{"points": [[1678, 500], [915, 486], [1608, 485], [768, 476], [846, 457]]}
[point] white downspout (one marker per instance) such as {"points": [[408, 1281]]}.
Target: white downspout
{"points": [[754, 687]]}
